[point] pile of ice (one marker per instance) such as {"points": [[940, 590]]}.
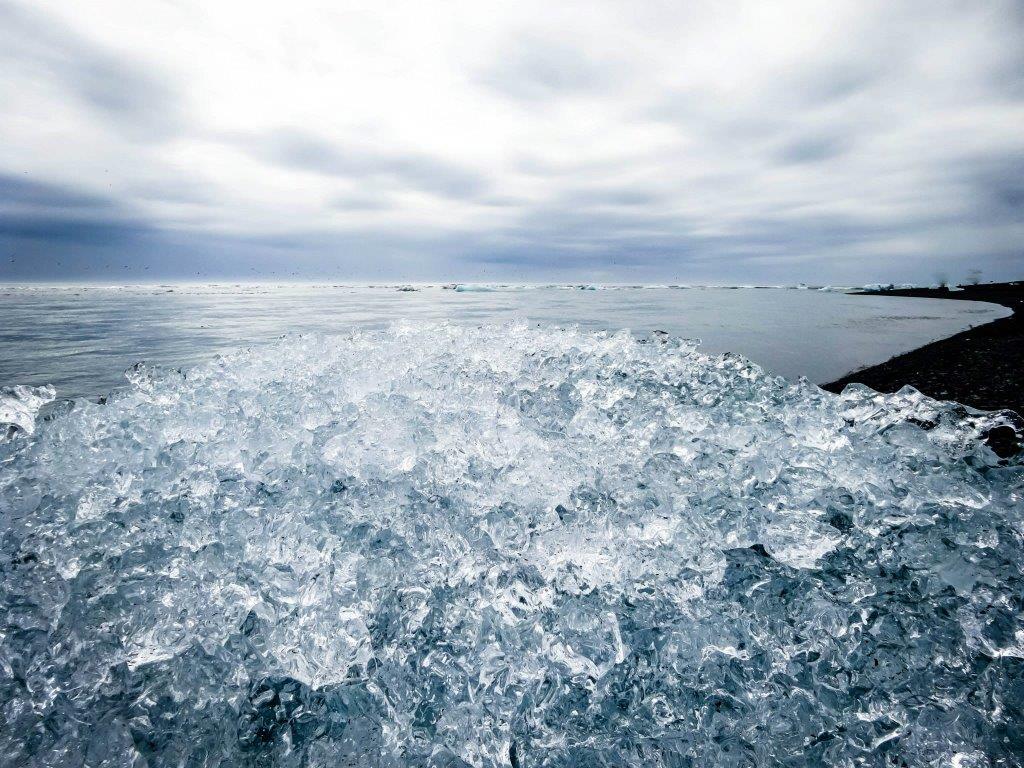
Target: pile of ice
{"points": [[501, 546], [19, 406]]}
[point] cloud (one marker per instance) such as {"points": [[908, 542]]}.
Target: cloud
{"points": [[530, 68], [62, 230], [999, 184], [811, 149], [50, 230], [55, 214], [735, 141], [361, 202], [130, 96], [20, 192], [303, 151]]}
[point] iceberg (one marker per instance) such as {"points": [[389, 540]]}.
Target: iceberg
{"points": [[507, 545]]}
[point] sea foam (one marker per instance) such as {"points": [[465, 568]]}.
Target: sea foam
{"points": [[507, 545]]}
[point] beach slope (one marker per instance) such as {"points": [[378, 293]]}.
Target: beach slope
{"points": [[981, 367]]}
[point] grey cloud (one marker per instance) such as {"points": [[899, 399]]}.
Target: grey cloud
{"points": [[812, 149], [130, 96], [533, 69], [836, 81], [171, 190], [360, 203], [546, 259], [306, 152], [24, 193], [783, 104], [589, 226], [615, 197], [810, 232], [605, 201], [54, 231], [109, 250], [733, 124], [500, 201], [574, 170], [563, 233], [58, 230], [58, 240], [999, 181], [609, 206], [59, 215]]}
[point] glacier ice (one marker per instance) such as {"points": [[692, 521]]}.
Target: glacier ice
{"points": [[506, 545], [19, 406]]}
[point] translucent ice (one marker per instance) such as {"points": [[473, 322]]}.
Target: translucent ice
{"points": [[19, 406], [506, 546]]}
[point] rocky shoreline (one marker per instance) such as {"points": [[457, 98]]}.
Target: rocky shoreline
{"points": [[982, 367]]}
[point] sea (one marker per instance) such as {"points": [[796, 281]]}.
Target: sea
{"points": [[81, 338]]}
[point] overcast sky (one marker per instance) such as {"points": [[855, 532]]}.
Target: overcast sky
{"points": [[832, 142]]}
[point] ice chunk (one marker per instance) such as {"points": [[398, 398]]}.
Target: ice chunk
{"points": [[506, 545], [19, 406]]}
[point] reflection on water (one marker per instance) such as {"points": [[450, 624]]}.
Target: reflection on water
{"points": [[82, 338]]}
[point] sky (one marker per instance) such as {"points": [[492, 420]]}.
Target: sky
{"points": [[827, 142]]}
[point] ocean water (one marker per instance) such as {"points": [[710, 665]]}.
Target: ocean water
{"points": [[453, 544], [81, 339]]}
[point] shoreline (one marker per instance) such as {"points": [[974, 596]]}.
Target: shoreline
{"points": [[980, 367]]}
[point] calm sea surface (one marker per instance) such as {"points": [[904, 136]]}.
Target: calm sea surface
{"points": [[80, 339]]}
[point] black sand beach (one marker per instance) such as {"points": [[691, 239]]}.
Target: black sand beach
{"points": [[982, 367]]}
